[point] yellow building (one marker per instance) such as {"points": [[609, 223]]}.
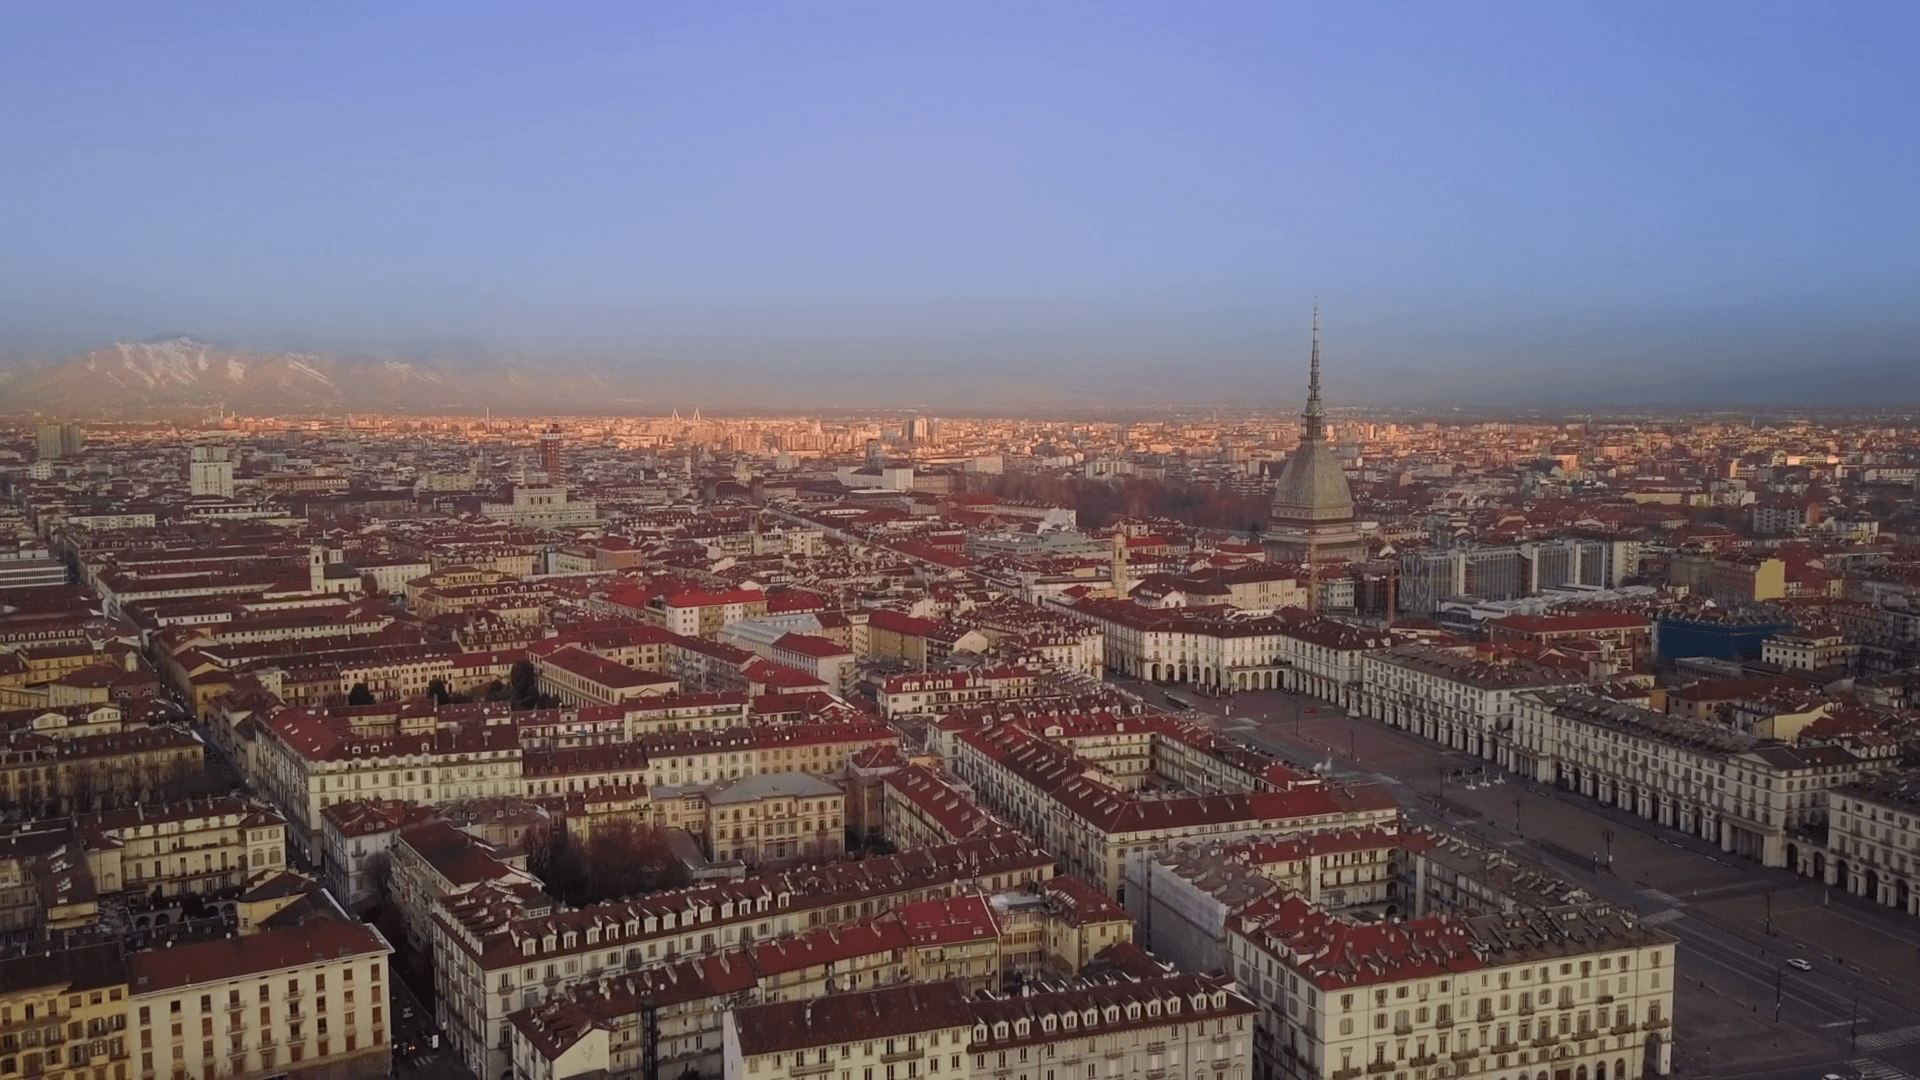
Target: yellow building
{"points": [[125, 766], [305, 1000], [63, 1014]]}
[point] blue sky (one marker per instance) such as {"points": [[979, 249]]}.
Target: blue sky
{"points": [[1610, 200]]}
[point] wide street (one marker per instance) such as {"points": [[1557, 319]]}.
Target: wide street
{"points": [[1856, 1012]]}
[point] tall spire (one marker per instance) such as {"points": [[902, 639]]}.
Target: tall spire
{"points": [[1315, 414]]}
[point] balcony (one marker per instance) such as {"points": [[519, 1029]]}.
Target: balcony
{"points": [[1464, 1055], [1526, 1008], [1444, 1022], [902, 1055], [1504, 1047], [1623, 1029], [1546, 1040], [810, 1068], [1423, 1061], [1604, 999], [1655, 1025], [1378, 1067], [1345, 1074]]}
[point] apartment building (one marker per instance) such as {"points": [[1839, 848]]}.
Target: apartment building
{"points": [[1627, 637], [1872, 844], [307, 1000], [920, 808], [1742, 792], [599, 1029], [1313, 656], [702, 614], [1579, 990], [775, 818], [705, 757], [1452, 696], [604, 1033], [306, 761], [183, 848], [932, 693], [1093, 820], [117, 767], [355, 837], [1121, 1026], [491, 947], [578, 677], [1174, 645], [63, 1014], [1183, 899], [1729, 579]]}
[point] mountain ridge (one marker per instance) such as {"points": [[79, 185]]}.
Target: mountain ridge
{"points": [[176, 371]]}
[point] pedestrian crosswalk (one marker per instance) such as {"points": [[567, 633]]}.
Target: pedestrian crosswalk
{"points": [[1880, 1040], [1661, 917], [1665, 898], [1870, 1069]]}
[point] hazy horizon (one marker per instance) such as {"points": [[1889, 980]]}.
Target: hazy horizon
{"points": [[1548, 205]]}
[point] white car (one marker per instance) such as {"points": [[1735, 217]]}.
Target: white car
{"points": [[1796, 962]]}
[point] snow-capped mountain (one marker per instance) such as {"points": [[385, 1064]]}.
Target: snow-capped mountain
{"points": [[182, 371]]}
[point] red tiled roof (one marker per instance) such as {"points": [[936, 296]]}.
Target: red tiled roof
{"points": [[317, 942]]}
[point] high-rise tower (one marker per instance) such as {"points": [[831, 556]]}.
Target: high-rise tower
{"points": [[1312, 518], [209, 472], [553, 451]]}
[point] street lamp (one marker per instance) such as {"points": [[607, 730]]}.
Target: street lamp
{"points": [[1607, 835], [1516, 814]]}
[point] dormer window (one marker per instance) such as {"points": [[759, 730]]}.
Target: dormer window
{"points": [[527, 947], [1090, 1018], [1133, 1010], [549, 943], [1173, 1006], [593, 935], [571, 938], [653, 923], [1020, 1027], [1070, 1021], [1111, 1014], [979, 1033], [1219, 999], [1000, 1029], [1153, 1007]]}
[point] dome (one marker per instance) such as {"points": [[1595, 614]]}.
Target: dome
{"points": [[1312, 487]]}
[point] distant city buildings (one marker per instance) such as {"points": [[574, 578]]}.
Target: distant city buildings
{"points": [[673, 743], [210, 472], [57, 441]]}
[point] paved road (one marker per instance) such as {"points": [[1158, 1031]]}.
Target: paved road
{"points": [[413, 1032], [1857, 1012]]}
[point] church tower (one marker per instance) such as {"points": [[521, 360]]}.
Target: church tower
{"points": [[1312, 517]]}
